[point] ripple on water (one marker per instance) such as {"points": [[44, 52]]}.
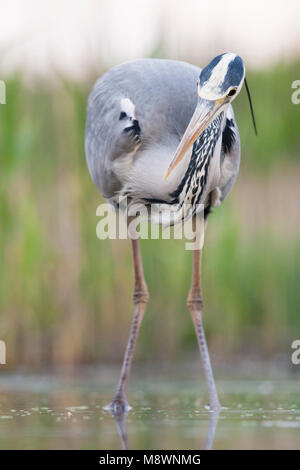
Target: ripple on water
{"points": [[259, 414]]}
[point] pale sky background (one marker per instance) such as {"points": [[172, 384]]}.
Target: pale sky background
{"points": [[73, 36]]}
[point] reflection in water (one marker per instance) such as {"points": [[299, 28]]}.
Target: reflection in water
{"points": [[121, 422], [212, 426], [48, 412]]}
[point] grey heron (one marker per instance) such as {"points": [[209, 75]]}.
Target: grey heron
{"points": [[164, 130]]}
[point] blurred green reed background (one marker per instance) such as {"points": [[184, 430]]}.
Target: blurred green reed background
{"points": [[65, 296]]}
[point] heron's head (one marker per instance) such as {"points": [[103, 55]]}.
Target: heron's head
{"points": [[221, 80], [218, 84]]}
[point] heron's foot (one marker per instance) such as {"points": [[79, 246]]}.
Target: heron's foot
{"points": [[118, 406], [214, 407]]}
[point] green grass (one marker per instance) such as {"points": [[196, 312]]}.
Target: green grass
{"points": [[65, 296]]}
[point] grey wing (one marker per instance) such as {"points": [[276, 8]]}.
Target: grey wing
{"points": [[111, 132], [231, 155], [132, 108]]}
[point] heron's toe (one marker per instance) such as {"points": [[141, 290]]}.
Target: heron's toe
{"points": [[118, 406]]}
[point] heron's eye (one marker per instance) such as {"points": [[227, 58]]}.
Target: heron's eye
{"points": [[231, 92]]}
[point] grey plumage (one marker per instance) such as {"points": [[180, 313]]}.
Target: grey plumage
{"points": [[163, 97], [164, 131]]}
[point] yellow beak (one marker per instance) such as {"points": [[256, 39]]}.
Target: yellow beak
{"points": [[202, 117]]}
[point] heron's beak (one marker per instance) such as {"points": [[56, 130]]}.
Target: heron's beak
{"points": [[202, 117]]}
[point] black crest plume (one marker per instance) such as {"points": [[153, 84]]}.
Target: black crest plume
{"points": [[251, 106]]}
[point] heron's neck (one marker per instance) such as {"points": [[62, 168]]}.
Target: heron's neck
{"points": [[191, 188]]}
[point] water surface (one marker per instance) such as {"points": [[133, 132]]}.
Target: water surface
{"points": [[61, 411]]}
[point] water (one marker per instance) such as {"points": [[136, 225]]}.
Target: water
{"points": [[65, 411]]}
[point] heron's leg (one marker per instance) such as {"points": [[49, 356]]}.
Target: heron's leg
{"points": [[140, 299], [195, 304]]}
